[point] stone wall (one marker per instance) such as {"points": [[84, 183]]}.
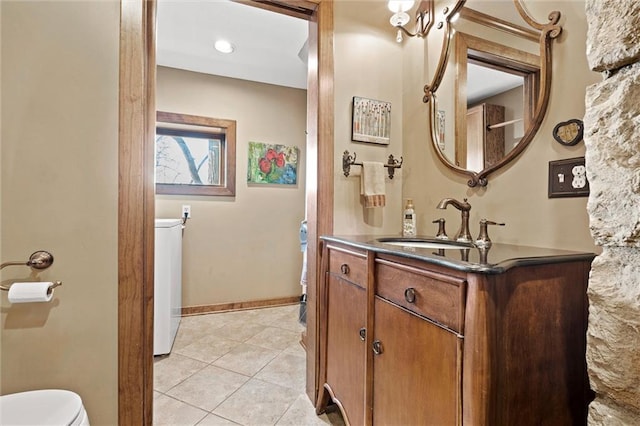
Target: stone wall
{"points": [[612, 138]]}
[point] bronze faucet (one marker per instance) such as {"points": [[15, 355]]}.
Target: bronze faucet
{"points": [[442, 234], [483, 239], [463, 235]]}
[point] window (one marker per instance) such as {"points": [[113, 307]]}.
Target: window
{"points": [[195, 155]]}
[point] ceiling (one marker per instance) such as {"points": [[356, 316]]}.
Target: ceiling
{"points": [[484, 82], [269, 47]]}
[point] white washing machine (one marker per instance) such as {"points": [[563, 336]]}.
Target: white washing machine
{"points": [[167, 285]]}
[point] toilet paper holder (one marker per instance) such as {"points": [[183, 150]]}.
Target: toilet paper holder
{"points": [[38, 260]]}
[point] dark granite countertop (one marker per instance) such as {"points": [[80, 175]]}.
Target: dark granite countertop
{"points": [[495, 260]]}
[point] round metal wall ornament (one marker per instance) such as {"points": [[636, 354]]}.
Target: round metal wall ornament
{"points": [[569, 132]]}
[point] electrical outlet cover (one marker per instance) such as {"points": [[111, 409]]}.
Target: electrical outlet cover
{"points": [[568, 178]]}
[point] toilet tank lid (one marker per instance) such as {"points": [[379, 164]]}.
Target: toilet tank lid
{"points": [[168, 223], [40, 407]]}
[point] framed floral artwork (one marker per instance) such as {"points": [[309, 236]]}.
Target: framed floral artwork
{"points": [[272, 164]]}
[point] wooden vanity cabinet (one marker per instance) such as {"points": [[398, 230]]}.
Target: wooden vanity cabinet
{"points": [[346, 319], [416, 377], [449, 347], [525, 342], [417, 345]]}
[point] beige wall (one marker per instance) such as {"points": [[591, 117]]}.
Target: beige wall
{"points": [[59, 176], [245, 247], [517, 194], [368, 57], [59, 180], [368, 64]]}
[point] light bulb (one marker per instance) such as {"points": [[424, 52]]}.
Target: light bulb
{"points": [[399, 36], [224, 46], [400, 5]]}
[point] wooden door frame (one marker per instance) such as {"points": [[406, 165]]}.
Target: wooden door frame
{"points": [[136, 196], [136, 211]]}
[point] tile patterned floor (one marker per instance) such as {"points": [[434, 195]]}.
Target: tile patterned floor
{"points": [[236, 368]]}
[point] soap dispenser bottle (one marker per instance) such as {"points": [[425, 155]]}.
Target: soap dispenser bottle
{"points": [[409, 220]]}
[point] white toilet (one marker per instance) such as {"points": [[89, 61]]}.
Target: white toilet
{"points": [[43, 407]]}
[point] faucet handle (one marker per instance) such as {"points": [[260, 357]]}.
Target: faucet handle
{"points": [[490, 222], [442, 234], [483, 238]]}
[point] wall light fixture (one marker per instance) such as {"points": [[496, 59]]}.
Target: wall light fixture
{"points": [[400, 17]]}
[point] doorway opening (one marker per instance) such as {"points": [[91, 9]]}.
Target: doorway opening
{"points": [[137, 197]]}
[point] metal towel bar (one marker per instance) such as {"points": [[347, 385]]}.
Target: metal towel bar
{"points": [[349, 160]]}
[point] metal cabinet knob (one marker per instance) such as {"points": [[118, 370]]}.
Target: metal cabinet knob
{"points": [[377, 347], [410, 295], [344, 268], [363, 333]]}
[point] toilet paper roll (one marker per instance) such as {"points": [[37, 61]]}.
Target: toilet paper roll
{"points": [[22, 292]]}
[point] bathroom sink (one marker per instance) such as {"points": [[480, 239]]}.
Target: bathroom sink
{"points": [[425, 243]]}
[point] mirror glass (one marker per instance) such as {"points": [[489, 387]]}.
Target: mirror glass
{"points": [[497, 97], [489, 83]]}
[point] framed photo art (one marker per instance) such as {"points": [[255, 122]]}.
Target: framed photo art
{"points": [[371, 121]]}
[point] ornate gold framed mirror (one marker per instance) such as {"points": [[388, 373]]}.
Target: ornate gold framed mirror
{"points": [[490, 68]]}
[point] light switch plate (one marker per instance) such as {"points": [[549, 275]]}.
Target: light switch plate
{"points": [[568, 178]]}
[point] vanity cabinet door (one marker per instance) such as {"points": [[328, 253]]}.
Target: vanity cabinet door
{"points": [[346, 350], [416, 380]]}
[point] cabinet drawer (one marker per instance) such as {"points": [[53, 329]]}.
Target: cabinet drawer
{"points": [[349, 265], [432, 295]]}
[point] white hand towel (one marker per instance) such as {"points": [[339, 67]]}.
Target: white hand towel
{"points": [[372, 184]]}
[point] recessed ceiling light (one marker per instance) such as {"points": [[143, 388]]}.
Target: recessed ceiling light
{"points": [[223, 46]]}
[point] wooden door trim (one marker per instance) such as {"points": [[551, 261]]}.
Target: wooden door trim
{"points": [[319, 191], [136, 202]]}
